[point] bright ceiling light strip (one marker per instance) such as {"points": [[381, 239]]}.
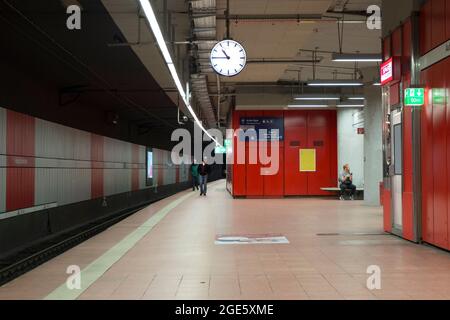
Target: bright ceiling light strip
{"points": [[153, 22], [350, 105], [356, 98], [334, 83], [308, 106], [317, 97], [356, 57]]}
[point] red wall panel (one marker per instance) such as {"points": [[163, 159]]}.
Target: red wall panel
{"points": [[447, 85], [274, 184], [318, 138], [447, 19], [20, 174], [427, 162], [406, 40], [387, 219], [439, 159], [407, 201], [407, 197], [437, 22], [135, 169], [425, 28], [303, 129], [161, 168], [434, 24], [333, 142], [394, 94], [97, 171], [296, 138], [239, 169], [255, 181], [397, 43]]}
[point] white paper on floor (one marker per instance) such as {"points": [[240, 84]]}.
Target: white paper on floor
{"points": [[251, 239]]}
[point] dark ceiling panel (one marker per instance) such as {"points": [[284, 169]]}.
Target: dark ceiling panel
{"points": [[79, 63]]}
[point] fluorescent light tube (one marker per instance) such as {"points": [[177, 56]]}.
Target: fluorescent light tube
{"points": [[318, 97], [308, 106], [335, 83], [350, 105], [153, 22], [356, 98], [356, 57], [151, 18]]}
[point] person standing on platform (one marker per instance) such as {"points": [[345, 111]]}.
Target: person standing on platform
{"points": [[194, 175], [203, 171]]}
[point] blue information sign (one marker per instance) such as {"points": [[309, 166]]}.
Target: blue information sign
{"points": [[265, 128]]}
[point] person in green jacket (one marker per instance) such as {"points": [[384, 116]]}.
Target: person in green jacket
{"points": [[194, 174]]}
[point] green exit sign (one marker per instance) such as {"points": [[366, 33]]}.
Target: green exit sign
{"points": [[414, 97], [220, 150]]}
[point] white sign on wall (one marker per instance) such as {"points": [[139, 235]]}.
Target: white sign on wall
{"points": [[358, 119]]}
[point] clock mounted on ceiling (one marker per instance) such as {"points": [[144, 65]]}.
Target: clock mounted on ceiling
{"points": [[228, 58]]}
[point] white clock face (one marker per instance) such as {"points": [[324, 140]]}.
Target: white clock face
{"points": [[228, 58]]}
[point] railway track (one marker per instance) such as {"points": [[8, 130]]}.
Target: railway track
{"points": [[35, 255]]}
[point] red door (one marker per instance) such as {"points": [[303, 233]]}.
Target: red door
{"points": [[296, 138], [255, 181], [318, 139]]}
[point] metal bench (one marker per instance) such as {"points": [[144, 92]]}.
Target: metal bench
{"points": [[336, 189]]}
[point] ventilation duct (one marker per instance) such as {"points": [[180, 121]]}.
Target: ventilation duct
{"points": [[203, 14]]}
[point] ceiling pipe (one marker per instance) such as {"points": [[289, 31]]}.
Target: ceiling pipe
{"points": [[237, 17], [277, 60]]}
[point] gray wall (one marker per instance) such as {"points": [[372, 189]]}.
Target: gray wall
{"points": [[373, 154], [350, 145]]}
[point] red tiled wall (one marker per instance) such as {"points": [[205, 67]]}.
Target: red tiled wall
{"points": [[407, 197], [20, 174], [97, 171], [305, 127], [435, 24], [435, 157]]}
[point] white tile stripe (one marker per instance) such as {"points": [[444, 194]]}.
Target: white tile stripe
{"points": [[96, 269]]}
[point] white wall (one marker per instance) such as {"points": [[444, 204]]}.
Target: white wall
{"points": [[350, 145]]}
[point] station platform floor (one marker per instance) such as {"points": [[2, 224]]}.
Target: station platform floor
{"points": [[168, 251]]}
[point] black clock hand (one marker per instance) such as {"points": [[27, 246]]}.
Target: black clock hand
{"points": [[225, 54]]}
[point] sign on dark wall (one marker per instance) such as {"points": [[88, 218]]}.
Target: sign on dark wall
{"points": [[269, 124]]}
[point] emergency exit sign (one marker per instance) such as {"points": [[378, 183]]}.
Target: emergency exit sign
{"points": [[414, 97], [220, 149]]}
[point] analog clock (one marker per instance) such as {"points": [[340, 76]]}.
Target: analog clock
{"points": [[228, 58]]}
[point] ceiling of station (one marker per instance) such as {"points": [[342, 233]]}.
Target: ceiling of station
{"points": [[284, 38], [287, 31], [96, 68]]}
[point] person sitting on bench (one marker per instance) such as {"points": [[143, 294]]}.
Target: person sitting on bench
{"points": [[346, 183]]}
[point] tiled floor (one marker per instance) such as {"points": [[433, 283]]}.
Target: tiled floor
{"points": [[179, 260]]}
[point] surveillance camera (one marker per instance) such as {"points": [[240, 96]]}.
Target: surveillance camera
{"points": [[185, 119]]}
